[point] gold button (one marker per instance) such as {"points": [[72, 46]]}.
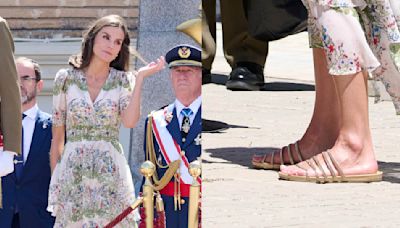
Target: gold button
{"points": [[183, 139], [182, 201]]}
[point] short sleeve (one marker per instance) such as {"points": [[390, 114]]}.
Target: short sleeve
{"points": [[59, 98], [127, 85]]}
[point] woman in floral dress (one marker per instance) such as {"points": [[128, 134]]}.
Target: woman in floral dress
{"points": [[350, 38], [91, 181]]}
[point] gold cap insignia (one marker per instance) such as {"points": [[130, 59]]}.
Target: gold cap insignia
{"points": [[184, 52]]}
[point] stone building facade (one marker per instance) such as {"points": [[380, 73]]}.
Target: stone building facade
{"points": [[63, 18]]}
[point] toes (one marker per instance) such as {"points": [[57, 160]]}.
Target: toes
{"points": [[257, 158], [292, 170]]}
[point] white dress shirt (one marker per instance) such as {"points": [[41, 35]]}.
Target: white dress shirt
{"points": [[29, 126], [194, 106]]}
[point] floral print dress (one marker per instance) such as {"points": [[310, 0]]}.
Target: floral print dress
{"points": [[92, 182], [359, 35]]}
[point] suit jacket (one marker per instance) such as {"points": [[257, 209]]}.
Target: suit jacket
{"points": [[192, 148], [30, 193], [10, 105]]}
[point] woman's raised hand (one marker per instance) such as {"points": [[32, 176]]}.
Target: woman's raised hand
{"points": [[152, 68]]}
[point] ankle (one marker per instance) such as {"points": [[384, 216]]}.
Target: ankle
{"points": [[320, 136], [353, 141]]}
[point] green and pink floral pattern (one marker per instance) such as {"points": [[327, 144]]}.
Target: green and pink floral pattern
{"points": [[92, 183], [359, 35]]}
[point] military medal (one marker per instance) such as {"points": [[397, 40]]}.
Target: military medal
{"points": [[168, 117], [186, 125]]}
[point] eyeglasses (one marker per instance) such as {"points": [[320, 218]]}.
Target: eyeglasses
{"points": [[27, 78]]}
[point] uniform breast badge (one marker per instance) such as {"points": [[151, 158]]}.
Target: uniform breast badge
{"points": [[197, 140]]}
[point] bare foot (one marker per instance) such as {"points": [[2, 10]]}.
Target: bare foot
{"points": [[352, 158], [308, 146]]}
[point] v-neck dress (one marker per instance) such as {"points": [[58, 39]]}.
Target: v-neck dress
{"points": [[359, 35], [92, 182]]}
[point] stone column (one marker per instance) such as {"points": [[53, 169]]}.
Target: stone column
{"points": [[156, 35]]}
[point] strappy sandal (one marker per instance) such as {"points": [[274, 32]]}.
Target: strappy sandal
{"points": [[264, 164], [332, 177]]}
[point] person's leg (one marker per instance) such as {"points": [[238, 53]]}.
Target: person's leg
{"points": [[245, 55], [325, 122], [238, 45], [208, 33], [353, 149], [208, 38]]}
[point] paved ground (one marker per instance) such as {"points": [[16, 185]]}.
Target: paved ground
{"points": [[235, 195]]}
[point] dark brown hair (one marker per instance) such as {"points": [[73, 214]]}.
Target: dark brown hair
{"points": [[36, 67], [121, 62]]}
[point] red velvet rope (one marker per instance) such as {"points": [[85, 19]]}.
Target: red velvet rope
{"points": [[199, 215], [142, 223], [119, 218], [159, 220]]}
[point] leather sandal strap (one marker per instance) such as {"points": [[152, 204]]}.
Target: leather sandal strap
{"points": [[272, 158], [312, 165], [328, 164], [298, 165], [290, 155], [320, 167], [297, 149], [281, 155], [305, 169], [265, 157], [337, 167]]}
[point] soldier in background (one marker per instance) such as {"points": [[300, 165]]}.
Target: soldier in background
{"points": [[10, 103]]}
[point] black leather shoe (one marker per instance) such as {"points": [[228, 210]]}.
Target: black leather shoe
{"points": [[206, 76], [246, 76]]}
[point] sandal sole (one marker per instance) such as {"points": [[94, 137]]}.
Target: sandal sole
{"points": [[362, 178]]}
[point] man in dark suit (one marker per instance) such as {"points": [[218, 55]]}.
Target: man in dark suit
{"points": [[25, 191], [176, 132]]}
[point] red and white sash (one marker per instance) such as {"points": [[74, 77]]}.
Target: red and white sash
{"points": [[170, 149]]}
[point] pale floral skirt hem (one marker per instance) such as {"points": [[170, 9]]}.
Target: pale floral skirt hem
{"points": [[91, 185], [358, 35]]}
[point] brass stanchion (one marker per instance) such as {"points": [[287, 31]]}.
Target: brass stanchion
{"points": [[147, 169], [194, 195]]}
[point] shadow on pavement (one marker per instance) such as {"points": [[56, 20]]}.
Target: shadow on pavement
{"points": [[287, 86], [237, 155], [220, 79], [391, 171], [214, 126]]}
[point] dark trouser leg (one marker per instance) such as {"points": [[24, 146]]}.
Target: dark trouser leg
{"points": [[208, 33], [15, 221], [239, 46]]}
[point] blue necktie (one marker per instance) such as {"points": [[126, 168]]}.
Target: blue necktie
{"points": [[186, 112], [19, 160]]}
